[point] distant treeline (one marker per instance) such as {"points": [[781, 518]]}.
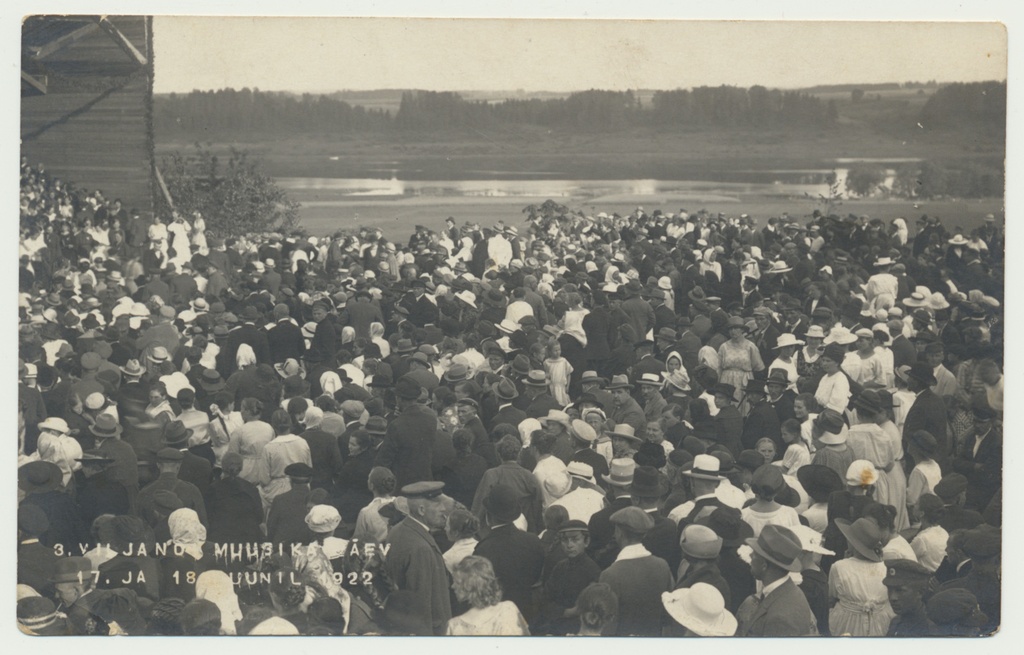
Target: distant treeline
{"points": [[229, 110], [958, 104], [248, 109]]}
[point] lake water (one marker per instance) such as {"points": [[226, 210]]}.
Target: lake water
{"points": [[394, 184]]}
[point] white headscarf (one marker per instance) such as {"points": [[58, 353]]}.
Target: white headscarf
{"points": [[216, 587], [245, 356], [187, 532], [63, 450]]}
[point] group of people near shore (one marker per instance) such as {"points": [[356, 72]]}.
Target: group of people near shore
{"points": [[658, 424]]}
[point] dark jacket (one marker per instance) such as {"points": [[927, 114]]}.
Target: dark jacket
{"points": [[407, 445], [782, 613], [518, 559]]}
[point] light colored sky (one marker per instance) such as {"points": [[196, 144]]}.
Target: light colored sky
{"points": [[328, 54]]}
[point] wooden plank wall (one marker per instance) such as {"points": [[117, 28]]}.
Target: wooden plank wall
{"points": [[95, 138]]}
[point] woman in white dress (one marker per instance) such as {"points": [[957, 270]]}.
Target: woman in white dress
{"points": [[930, 542], [860, 600], [871, 442], [834, 387]]}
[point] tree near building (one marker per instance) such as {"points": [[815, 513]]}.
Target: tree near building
{"points": [[235, 197]]}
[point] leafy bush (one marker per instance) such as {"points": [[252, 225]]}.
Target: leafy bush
{"points": [[235, 197]]}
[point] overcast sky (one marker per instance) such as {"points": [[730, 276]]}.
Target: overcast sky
{"points": [[330, 54]]}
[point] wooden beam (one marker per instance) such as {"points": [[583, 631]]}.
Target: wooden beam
{"points": [[37, 84], [163, 187], [61, 42], [122, 41]]}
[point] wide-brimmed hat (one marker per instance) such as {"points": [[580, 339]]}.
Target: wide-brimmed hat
{"points": [[787, 339], [916, 299], [701, 610], [678, 379], [581, 470], [536, 378], [725, 389], [71, 569], [625, 431], [56, 424], [778, 545], [841, 336], [467, 297], [810, 540], [505, 389], [592, 376], [648, 483], [556, 416], [620, 472], [736, 322], [405, 346], [39, 476], [210, 381], [105, 426], [868, 401], [619, 382], [159, 355], [494, 298], [290, 367], [650, 379], [754, 386], [457, 372], [778, 267], [923, 373], [777, 376], [815, 331], [407, 388], [700, 542], [864, 536], [175, 433], [958, 240], [728, 523], [937, 302], [819, 481], [830, 422], [706, 467]]}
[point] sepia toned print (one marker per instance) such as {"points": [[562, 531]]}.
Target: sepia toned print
{"points": [[325, 330]]}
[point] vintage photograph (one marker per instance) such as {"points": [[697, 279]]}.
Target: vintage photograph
{"points": [[510, 327]]}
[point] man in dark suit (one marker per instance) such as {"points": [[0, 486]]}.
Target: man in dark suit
{"points": [[414, 562], [505, 392], [517, 556], [35, 561], [408, 443], [637, 577], [603, 548], [927, 413], [762, 421], [247, 333], [903, 352], [980, 459], [541, 402], [780, 609], [194, 469], [286, 519], [285, 340]]}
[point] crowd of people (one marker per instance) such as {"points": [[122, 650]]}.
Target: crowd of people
{"points": [[658, 424]]}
